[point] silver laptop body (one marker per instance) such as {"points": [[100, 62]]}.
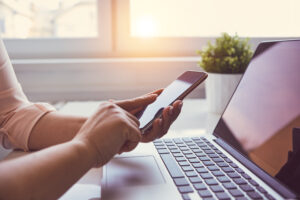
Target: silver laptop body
{"points": [[240, 159]]}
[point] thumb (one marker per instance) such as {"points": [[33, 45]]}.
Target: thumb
{"points": [[132, 104]]}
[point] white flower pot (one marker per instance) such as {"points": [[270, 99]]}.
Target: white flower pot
{"points": [[219, 88]]}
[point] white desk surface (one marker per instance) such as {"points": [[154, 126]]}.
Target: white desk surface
{"points": [[194, 120]]}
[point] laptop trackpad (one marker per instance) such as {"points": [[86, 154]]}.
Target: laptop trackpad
{"points": [[133, 171]]}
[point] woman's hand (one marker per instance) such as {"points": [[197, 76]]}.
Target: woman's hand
{"points": [[160, 126], [108, 131]]}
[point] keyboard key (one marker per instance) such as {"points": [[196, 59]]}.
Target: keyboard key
{"points": [[239, 170], [177, 140], [180, 181], [218, 173], [212, 168], [227, 169], [197, 150], [222, 196], [218, 151], [236, 193], [190, 156], [204, 193], [172, 166], [172, 147], [253, 182], [233, 175], [194, 160], [254, 195], [211, 181], [223, 179], [187, 152], [197, 165], [200, 154], [239, 181], [269, 197], [209, 151], [205, 147], [208, 163], [191, 173], [206, 175], [213, 156], [183, 148], [200, 186], [261, 189], [181, 145], [201, 170], [184, 163], [246, 176], [180, 159], [185, 189], [233, 165], [229, 186], [228, 160], [175, 151], [204, 158], [216, 188], [187, 168], [177, 154], [241, 198], [193, 146], [186, 196], [223, 155], [160, 147], [246, 188], [217, 159], [222, 164], [163, 151], [187, 139], [195, 179]]}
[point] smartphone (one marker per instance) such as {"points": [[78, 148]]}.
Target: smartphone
{"points": [[177, 90]]}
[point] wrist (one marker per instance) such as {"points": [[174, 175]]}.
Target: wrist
{"points": [[85, 151]]}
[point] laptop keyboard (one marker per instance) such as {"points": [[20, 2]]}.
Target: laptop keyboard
{"points": [[196, 165]]}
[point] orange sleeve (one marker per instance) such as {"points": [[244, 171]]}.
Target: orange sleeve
{"points": [[18, 116]]}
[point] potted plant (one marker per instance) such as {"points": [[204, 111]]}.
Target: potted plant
{"points": [[225, 61]]}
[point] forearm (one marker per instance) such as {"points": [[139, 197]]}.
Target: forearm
{"points": [[46, 174], [54, 128]]}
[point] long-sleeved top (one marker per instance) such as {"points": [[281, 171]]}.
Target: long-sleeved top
{"points": [[18, 116]]}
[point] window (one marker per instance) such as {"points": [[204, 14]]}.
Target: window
{"points": [[203, 18], [56, 28], [48, 19], [138, 28]]}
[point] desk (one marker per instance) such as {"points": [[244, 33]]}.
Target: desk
{"points": [[194, 120]]}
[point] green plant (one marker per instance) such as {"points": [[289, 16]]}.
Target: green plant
{"points": [[229, 55]]}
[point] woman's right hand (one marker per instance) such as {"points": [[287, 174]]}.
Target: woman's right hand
{"points": [[108, 131]]}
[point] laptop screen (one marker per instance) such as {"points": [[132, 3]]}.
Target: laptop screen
{"points": [[259, 118]]}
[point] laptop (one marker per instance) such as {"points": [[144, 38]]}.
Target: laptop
{"points": [[241, 159]]}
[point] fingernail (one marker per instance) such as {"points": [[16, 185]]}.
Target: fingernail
{"points": [[171, 111], [180, 105], [160, 123]]}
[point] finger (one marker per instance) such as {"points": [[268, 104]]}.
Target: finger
{"points": [[128, 146], [177, 106], [166, 119], [158, 92], [154, 132], [133, 119], [138, 102]]}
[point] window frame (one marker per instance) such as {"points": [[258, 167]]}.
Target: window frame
{"points": [[66, 47], [114, 40]]}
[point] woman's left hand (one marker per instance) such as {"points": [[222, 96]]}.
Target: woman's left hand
{"points": [[160, 126]]}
